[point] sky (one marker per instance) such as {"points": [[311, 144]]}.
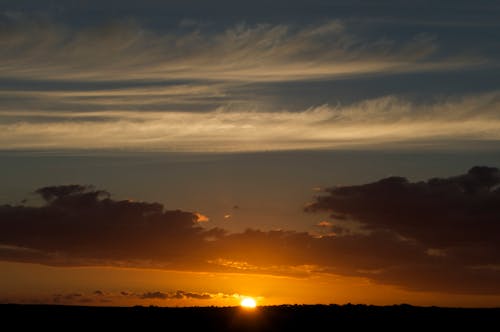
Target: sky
{"points": [[180, 153]]}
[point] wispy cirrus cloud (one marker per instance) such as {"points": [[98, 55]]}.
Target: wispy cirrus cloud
{"points": [[35, 47], [380, 121], [121, 84]]}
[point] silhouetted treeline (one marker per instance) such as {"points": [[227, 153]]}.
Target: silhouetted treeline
{"points": [[272, 318]]}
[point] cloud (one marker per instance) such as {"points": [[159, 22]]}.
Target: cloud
{"points": [[456, 219], [122, 84], [154, 295], [78, 221], [201, 217], [370, 123], [324, 224], [198, 296], [121, 298], [435, 235], [70, 297], [176, 295], [440, 212], [36, 47]]}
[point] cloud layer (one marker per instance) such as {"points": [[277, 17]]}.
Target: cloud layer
{"points": [[35, 47], [99, 297], [196, 86], [437, 235], [377, 122]]}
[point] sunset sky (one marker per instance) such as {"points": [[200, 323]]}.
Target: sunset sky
{"points": [[180, 153]]}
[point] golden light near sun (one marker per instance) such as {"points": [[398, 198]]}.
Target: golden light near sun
{"points": [[248, 302]]}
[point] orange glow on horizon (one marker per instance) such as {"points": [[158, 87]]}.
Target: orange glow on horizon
{"points": [[128, 287]]}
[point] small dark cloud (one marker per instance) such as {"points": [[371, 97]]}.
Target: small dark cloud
{"points": [[67, 298], [177, 295], [117, 298], [197, 296], [154, 295], [59, 193]]}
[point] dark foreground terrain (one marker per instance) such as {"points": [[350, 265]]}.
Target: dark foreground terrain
{"points": [[274, 318]]}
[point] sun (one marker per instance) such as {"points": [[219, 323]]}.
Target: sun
{"points": [[248, 302]]}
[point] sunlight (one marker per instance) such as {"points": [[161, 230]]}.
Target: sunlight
{"points": [[248, 302]]}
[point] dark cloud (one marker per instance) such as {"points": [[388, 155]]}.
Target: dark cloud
{"points": [[442, 212], [197, 296], [62, 192], [80, 221], [154, 295], [441, 234], [71, 297], [457, 219], [117, 298]]}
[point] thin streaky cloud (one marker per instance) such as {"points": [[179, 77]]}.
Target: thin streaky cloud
{"points": [[260, 52], [378, 121]]}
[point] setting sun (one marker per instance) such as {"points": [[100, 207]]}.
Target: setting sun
{"points": [[248, 302]]}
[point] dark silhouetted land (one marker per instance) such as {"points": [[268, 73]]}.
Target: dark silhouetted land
{"points": [[272, 318]]}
